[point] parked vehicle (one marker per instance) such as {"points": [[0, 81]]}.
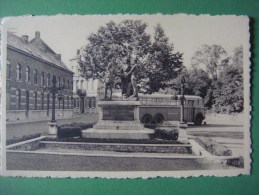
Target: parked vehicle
{"points": [[156, 108]]}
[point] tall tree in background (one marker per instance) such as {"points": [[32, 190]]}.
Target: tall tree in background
{"points": [[233, 82], [197, 83], [163, 61], [212, 57]]}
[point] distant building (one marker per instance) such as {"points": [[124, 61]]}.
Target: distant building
{"points": [[84, 91], [31, 66]]}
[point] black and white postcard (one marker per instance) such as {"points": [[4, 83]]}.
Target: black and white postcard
{"points": [[125, 96]]}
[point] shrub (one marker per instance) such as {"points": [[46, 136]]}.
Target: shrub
{"points": [[166, 133], [69, 131], [22, 138], [213, 147], [72, 130]]}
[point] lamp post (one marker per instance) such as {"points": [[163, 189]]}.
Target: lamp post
{"points": [[182, 136], [182, 98], [54, 90]]}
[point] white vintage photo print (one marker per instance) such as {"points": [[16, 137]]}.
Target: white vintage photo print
{"points": [[125, 96]]}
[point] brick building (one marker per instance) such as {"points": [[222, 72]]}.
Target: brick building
{"points": [[84, 91], [31, 66]]}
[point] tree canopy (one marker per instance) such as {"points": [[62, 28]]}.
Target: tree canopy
{"points": [[127, 43]]}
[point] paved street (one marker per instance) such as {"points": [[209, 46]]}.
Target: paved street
{"points": [[42, 126], [226, 130]]}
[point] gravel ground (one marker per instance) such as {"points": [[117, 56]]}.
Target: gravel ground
{"points": [[48, 162], [21, 129]]}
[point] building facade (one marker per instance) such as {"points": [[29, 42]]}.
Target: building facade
{"points": [[31, 66], [84, 91]]}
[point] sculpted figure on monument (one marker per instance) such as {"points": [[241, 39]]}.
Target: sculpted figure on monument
{"points": [[129, 80]]}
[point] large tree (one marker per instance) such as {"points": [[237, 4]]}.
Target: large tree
{"points": [[212, 57], [164, 64], [127, 42], [112, 45]]}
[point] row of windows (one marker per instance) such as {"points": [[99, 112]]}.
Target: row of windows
{"points": [[43, 80], [89, 84], [90, 102], [61, 103]]}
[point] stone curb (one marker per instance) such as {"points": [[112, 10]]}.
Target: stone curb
{"points": [[117, 155]]}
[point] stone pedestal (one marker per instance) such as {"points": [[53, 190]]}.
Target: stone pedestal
{"points": [[182, 136], [118, 120], [53, 129]]}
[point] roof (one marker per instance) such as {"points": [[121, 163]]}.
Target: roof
{"points": [[36, 48]]}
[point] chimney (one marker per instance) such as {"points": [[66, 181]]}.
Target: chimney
{"points": [[25, 38], [59, 56], [37, 34], [78, 52]]}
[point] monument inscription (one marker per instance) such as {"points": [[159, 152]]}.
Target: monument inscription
{"points": [[118, 112]]}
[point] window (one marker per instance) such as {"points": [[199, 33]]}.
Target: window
{"points": [[77, 102], [93, 102], [28, 74], [71, 102], [82, 84], [67, 102], [77, 85], [42, 101], [18, 99], [19, 72], [74, 103], [68, 86], [35, 100], [92, 84], [59, 84], [48, 79], [64, 83], [89, 102], [72, 87], [42, 79], [35, 77], [9, 70]]}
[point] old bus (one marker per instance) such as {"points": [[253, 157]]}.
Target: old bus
{"points": [[156, 108]]}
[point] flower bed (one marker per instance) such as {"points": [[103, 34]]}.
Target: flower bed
{"points": [[166, 131], [126, 141], [213, 147], [72, 130]]}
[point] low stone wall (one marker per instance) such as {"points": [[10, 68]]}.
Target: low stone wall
{"points": [[148, 148], [36, 115], [29, 145], [198, 150]]}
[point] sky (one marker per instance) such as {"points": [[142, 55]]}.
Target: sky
{"points": [[66, 33]]}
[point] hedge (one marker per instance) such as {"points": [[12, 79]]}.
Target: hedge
{"points": [[72, 130], [22, 138], [166, 133], [213, 147], [125, 141]]}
